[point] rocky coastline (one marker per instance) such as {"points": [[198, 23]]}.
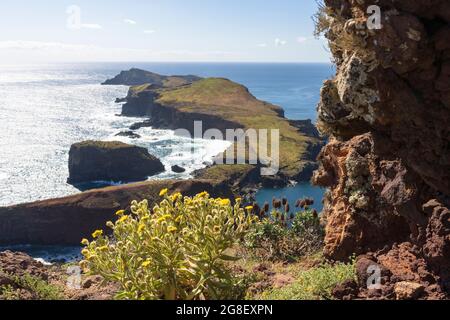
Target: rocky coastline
{"points": [[222, 104], [64, 221]]}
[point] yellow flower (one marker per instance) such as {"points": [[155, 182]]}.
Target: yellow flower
{"points": [[164, 218], [120, 213], [104, 248], [238, 199], [203, 194], [141, 228], [85, 242], [225, 202], [172, 229], [176, 196], [146, 263], [178, 219], [216, 229], [249, 208], [97, 234], [123, 219], [85, 252], [163, 192], [83, 264]]}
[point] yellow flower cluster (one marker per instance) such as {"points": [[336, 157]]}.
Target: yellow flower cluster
{"points": [[152, 251]]}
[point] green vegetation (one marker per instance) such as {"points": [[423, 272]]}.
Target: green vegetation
{"points": [[135, 90], [314, 284], [196, 248], [284, 236], [177, 250], [37, 288], [225, 172]]}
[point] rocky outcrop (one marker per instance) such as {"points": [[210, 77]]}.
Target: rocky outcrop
{"points": [[387, 165], [110, 161], [66, 220], [128, 134], [222, 105], [136, 77]]}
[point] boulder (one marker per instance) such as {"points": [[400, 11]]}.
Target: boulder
{"points": [[110, 161], [129, 134], [408, 290], [178, 169]]}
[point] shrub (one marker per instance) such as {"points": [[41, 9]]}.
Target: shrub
{"points": [[176, 251], [38, 288], [315, 284], [284, 236]]}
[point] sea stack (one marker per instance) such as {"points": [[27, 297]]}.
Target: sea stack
{"points": [[111, 161]]}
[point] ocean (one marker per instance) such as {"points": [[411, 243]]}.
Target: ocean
{"points": [[45, 109]]}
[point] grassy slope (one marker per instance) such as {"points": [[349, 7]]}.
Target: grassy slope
{"points": [[231, 101]]}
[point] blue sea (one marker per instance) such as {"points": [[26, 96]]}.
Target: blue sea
{"points": [[45, 109]]}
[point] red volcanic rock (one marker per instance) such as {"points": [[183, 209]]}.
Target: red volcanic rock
{"points": [[387, 164]]}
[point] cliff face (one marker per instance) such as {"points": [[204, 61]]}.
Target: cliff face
{"points": [[66, 221], [387, 164]]}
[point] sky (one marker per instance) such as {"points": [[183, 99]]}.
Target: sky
{"points": [[159, 30]]}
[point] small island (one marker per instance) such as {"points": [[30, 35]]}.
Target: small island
{"points": [[111, 161]]}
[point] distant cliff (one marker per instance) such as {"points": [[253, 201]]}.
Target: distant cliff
{"points": [[135, 77]]}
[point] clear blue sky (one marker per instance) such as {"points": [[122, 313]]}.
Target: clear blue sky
{"points": [[160, 30]]}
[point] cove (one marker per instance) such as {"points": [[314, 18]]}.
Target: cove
{"points": [[299, 191]]}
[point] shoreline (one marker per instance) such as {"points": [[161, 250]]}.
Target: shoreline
{"points": [[40, 222]]}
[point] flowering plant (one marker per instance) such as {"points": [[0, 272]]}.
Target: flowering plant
{"points": [[177, 250]]}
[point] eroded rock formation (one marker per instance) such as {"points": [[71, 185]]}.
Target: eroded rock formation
{"points": [[387, 164]]}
